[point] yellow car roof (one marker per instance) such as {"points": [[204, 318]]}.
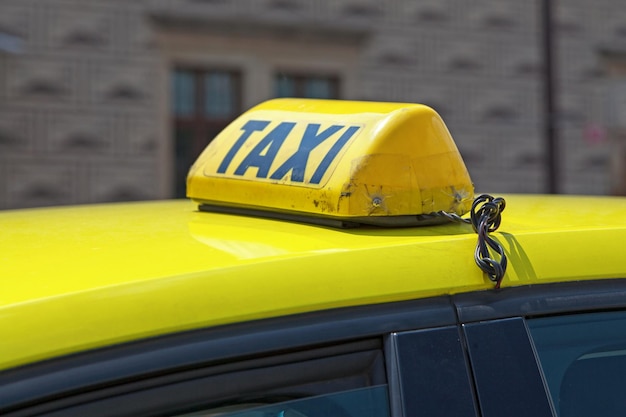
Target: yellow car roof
{"points": [[85, 277]]}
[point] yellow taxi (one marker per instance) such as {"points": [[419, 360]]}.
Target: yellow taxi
{"points": [[332, 260]]}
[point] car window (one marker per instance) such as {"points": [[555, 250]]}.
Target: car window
{"points": [[340, 380], [583, 358], [365, 402]]}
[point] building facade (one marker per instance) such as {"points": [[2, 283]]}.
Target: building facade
{"points": [[111, 100]]}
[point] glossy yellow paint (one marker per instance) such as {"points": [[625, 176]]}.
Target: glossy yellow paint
{"points": [[84, 277], [339, 159]]}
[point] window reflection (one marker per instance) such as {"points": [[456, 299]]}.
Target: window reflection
{"points": [[583, 358], [364, 402]]}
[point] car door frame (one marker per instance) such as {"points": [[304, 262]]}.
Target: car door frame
{"points": [[75, 379]]}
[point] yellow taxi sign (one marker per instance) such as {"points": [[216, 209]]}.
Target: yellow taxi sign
{"points": [[360, 162]]}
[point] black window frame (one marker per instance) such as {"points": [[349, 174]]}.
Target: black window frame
{"points": [[200, 126], [157, 363]]}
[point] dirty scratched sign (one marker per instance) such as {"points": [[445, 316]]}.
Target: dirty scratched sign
{"points": [[290, 152]]}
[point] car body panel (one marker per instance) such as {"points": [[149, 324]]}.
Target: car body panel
{"points": [[85, 277]]}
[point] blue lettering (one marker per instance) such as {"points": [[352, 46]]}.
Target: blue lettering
{"points": [[332, 153], [272, 143], [297, 162], [249, 128]]}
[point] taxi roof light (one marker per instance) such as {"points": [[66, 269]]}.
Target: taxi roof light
{"points": [[336, 162]]}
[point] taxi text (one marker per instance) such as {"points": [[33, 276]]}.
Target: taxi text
{"points": [[262, 155]]}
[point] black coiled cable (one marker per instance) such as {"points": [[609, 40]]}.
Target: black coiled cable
{"points": [[485, 217]]}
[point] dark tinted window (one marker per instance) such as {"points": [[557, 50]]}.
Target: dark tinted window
{"points": [[365, 402], [340, 380], [584, 361]]}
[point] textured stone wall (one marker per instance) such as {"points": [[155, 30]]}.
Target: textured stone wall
{"points": [[76, 106], [82, 105]]}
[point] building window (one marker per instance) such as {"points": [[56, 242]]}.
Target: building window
{"points": [[204, 101], [306, 86]]}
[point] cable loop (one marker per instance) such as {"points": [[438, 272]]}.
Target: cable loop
{"points": [[485, 217]]}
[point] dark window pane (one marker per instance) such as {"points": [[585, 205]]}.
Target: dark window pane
{"points": [[285, 86], [318, 88], [365, 402], [584, 362], [306, 86], [204, 101], [211, 132], [184, 158], [183, 93], [219, 95]]}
